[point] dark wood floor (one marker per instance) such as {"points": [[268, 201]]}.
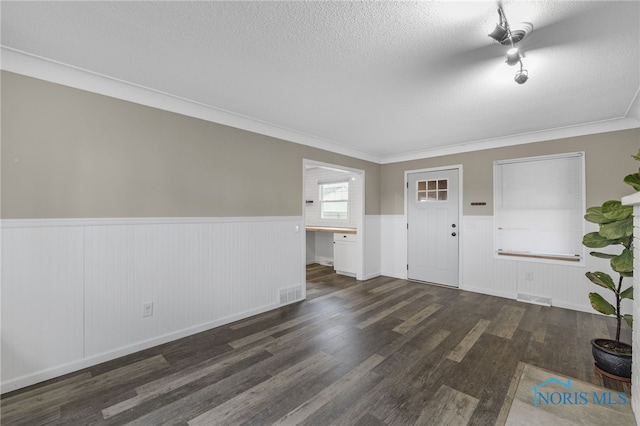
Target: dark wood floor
{"points": [[383, 351]]}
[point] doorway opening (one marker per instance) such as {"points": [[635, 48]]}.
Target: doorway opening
{"points": [[333, 213]]}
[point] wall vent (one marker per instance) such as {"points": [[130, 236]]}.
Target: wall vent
{"points": [[290, 295], [536, 300]]}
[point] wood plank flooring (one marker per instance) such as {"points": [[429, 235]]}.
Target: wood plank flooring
{"points": [[379, 352]]}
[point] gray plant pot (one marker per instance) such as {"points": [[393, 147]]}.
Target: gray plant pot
{"points": [[616, 364]]}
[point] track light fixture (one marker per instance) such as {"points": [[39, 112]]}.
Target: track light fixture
{"points": [[507, 35], [521, 76], [501, 31], [513, 56]]}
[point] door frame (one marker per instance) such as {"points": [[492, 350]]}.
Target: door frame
{"points": [[457, 167], [360, 222]]}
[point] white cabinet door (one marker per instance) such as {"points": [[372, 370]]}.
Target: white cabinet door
{"points": [[345, 254]]}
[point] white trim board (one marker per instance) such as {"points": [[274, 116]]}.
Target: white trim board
{"points": [[59, 222]]}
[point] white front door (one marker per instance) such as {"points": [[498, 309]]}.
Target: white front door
{"points": [[432, 226]]}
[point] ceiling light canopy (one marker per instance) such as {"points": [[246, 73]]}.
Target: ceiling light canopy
{"points": [[518, 32], [508, 35]]}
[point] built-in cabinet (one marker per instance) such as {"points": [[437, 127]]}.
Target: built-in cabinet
{"points": [[345, 254]]}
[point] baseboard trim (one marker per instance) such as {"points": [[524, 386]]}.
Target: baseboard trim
{"points": [[372, 275], [574, 307], [51, 373], [396, 276], [324, 261], [488, 292]]}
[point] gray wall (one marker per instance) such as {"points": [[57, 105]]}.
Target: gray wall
{"points": [[67, 153], [608, 160]]}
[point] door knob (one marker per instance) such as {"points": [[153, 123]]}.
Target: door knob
{"points": [[453, 234]]}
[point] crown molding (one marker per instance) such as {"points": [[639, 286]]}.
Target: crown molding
{"points": [[634, 107], [45, 69], [56, 72], [612, 125]]}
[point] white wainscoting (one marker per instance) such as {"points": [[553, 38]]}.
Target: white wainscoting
{"points": [[42, 299], [73, 290], [372, 246], [480, 271], [393, 241], [566, 286]]}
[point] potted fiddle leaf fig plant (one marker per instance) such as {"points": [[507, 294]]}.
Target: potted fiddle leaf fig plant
{"points": [[615, 228]]}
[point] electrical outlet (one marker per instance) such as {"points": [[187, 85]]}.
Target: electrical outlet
{"points": [[529, 276], [147, 309]]}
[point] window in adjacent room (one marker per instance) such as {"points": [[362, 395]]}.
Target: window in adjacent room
{"points": [[334, 200], [539, 207]]}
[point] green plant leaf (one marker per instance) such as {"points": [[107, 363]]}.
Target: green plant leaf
{"points": [[602, 279], [614, 210], [627, 294], [629, 319], [623, 262], [626, 274], [595, 240], [594, 215], [616, 230], [602, 255], [599, 304], [633, 180]]}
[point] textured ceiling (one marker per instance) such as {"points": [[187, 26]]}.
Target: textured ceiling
{"points": [[384, 79]]}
